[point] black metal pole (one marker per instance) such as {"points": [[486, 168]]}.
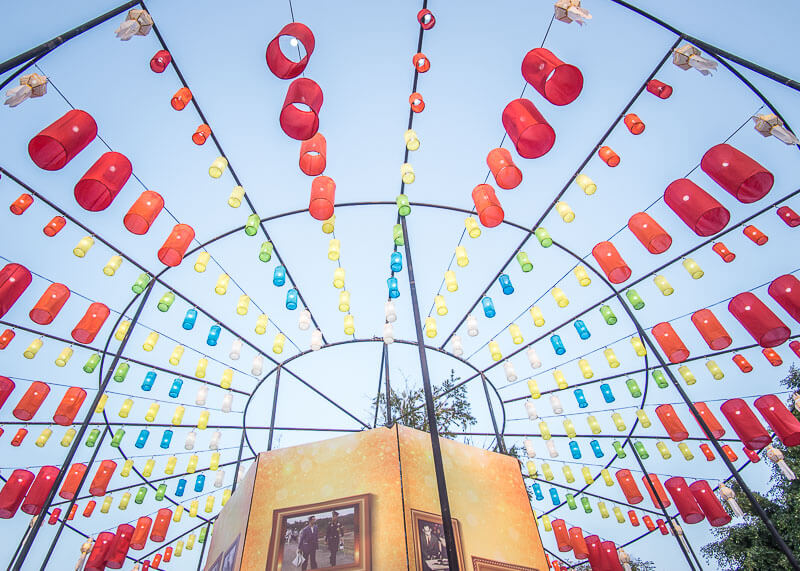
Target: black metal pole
{"points": [[274, 407], [501, 445], [380, 384], [389, 420], [203, 549], [438, 465]]}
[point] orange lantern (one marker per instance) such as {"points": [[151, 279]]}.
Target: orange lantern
{"points": [[743, 364], [161, 525], [21, 204], [711, 329], [313, 155], [773, 357], [143, 212], [608, 155], [561, 534], [176, 244], [711, 421], [755, 235], [611, 262], [323, 191], [650, 233], [19, 437], [72, 481], [505, 172], [706, 450], [660, 493], [31, 401], [628, 485], [69, 406], [90, 324], [634, 124], [672, 424], [729, 453], [417, 102], [139, 536], [670, 343], [54, 226], [201, 134], [723, 252], [578, 543], [51, 302], [488, 207], [181, 99], [421, 62]]}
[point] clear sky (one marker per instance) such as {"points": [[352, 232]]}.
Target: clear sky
{"points": [[362, 61]]}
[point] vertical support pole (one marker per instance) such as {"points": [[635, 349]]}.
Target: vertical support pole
{"points": [[389, 419], [274, 407], [438, 465], [26, 548], [501, 445], [380, 383]]}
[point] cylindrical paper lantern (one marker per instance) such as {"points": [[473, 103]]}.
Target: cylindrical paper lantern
{"points": [[709, 503], [711, 421], [578, 543], [143, 212], [101, 184], [176, 244], [323, 192], [70, 405], [649, 233], [561, 534], [737, 173], [628, 485], [6, 388], [699, 210], [54, 226], [608, 156], [531, 134], [779, 418], [660, 492], [313, 155], [634, 124], [279, 64], [670, 343], [505, 172], [139, 536], [684, 500], [301, 124], [789, 216], [711, 329], [14, 279], [118, 549], [723, 252], [69, 486], [160, 61], [60, 142], [594, 552], [488, 207], [31, 400], [91, 323], [672, 424], [21, 204], [34, 500], [765, 327], [96, 561], [785, 290], [611, 262], [181, 98], [610, 556], [102, 477], [14, 491], [558, 82], [51, 302], [659, 89], [744, 422], [161, 525]]}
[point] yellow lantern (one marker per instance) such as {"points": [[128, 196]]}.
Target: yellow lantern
{"points": [[569, 428], [200, 371], [334, 249], [69, 435], [472, 227], [123, 502], [150, 341], [687, 375], [344, 301], [44, 437], [560, 297], [601, 507], [209, 504], [148, 468], [441, 307], [113, 265], [606, 477], [638, 346], [594, 426], [611, 357], [545, 431], [693, 268], [107, 501], [407, 173], [516, 334], [177, 416], [179, 545], [587, 185], [235, 199], [585, 368], [243, 305], [430, 327], [177, 353], [536, 315], [643, 419], [227, 379], [214, 463], [202, 262], [226, 495], [122, 330], [582, 276], [176, 517], [126, 468], [568, 476], [126, 407], [684, 448], [566, 213], [152, 412], [546, 523], [714, 369], [278, 343], [450, 280], [218, 167], [338, 278], [222, 284], [587, 475], [101, 404], [533, 388], [411, 139], [618, 422], [193, 507], [64, 357], [191, 539], [561, 381], [261, 324], [202, 421], [663, 285], [548, 473], [663, 450], [618, 514], [531, 465], [494, 350], [83, 246], [349, 325], [329, 225], [33, 348]]}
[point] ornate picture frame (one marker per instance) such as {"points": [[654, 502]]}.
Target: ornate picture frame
{"points": [[418, 521], [481, 564]]}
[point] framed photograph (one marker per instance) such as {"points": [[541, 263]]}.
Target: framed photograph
{"points": [[430, 552], [229, 557], [481, 564], [327, 535]]}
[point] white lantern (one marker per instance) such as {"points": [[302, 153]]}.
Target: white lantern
{"points": [[316, 340], [530, 409], [214, 444], [389, 311], [533, 358], [220, 479], [472, 326], [227, 402], [190, 439], [241, 473], [258, 365], [202, 395], [236, 349], [529, 449], [458, 348], [304, 323], [388, 333], [551, 448], [511, 374], [555, 402]]}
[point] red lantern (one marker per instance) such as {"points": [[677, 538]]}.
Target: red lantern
{"points": [[282, 66], [699, 210], [54, 516], [90, 324], [578, 543], [650, 233], [417, 102], [709, 503], [426, 19], [729, 453], [662, 527], [99, 553], [301, 124], [673, 425], [745, 424], [752, 455], [5, 338], [505, 172], [785, 290], [54, 226], [531, 134], [779, 418], [14, 491], [743, 364], [101, 184], [706, 450], [711, 421], [201, 134], [670, 343], [594, 552], [146, 565], [19, 437], [628, 485], [634, 519], [758, 319], [313, 155], [421, 62], [659, 89], [119, 547], [755, 235], [711, 329], [6, 388], [648, 522], [156, 560], [558, 82], [139, 536], [70, 405], [615, 268], [487, 205], [21, 204], [610, 556], [89, 509], [176, 244], [660, 493], [181, 99], [31, 400], [726, 255], [323, 191], [73, 510], [143, 212], [14, 279], [34, 500], [737, 173], [167, 554], [102, 477], [60, 142], [794, 346], [773, 357], [608, 155], [634, 124], [160, 61], [789, 216], [51, 302], [161, 525], [72, 481], [562, 535], [684, 500]]}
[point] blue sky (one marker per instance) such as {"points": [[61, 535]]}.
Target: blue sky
{"points": [[362, 61]]}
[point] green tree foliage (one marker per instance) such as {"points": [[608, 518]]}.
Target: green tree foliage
{"points": [[747, 545], [453, 410]]}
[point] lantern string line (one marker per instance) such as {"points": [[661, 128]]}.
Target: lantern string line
{"points": [[169, 212], [656, 201]]}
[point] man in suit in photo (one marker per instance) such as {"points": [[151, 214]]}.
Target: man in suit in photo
{"points": [[430, 544], [333, 536], [308, 543]]}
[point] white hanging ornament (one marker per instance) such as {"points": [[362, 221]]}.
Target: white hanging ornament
{"points": [[472, 326], [137, 23], [625, 559], [511, 374], [227, 402], [729, 496], [776, 456], [258, 365], [85, 549], [240, 473], [304, 322], [770, 124], [215, 438], [316, 340], [220, 479], [30, 85], [530, 409], [569, 11], [529, 449], [458, 348], [236, 349], [688, 56], [388, 333], [555, 402], [190, 440], [389, 311], [533, 358], [202, 395], [551, 448]]}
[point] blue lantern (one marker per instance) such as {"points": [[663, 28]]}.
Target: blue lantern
{"points": [[575, 449], [213, 335], [394, 292], [142, 438], [396, 262], [558, 345], [537, 491], [148, 381], [581, 398], [175, 389], [189, 319], [583, 331], [199, 483], [166, 439], [607, 394], [554, 497], [291, 299], [488, 307], [505, 283], [279, 276], [598, 452], [180, 487]]}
